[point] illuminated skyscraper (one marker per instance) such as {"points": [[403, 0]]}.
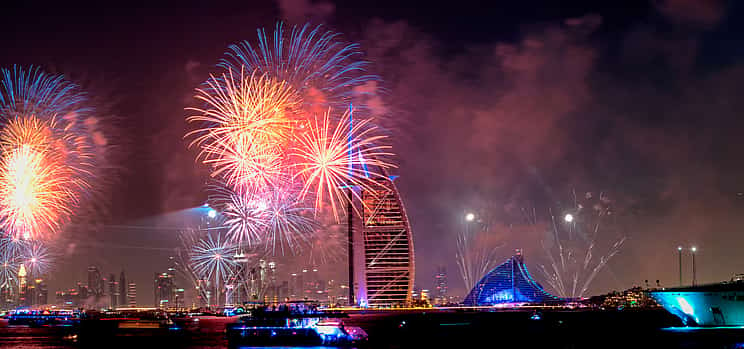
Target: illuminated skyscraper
{"points": [[381, 247], [22, 285], [440, 285], [164, 291], [132, 294]]}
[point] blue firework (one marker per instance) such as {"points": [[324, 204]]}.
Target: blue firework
{"points": [[212, 258], [324, 69], [34, 92], [11, 258], [37, 258], [288, 224]]}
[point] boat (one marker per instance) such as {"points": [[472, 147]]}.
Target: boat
{"points": [[293, 325], [720, 304], [43, 317]]}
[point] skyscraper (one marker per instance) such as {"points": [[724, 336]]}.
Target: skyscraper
{"points": [[381, 264], [132, 294], [164, 290], [42, 293], [122, 289], [95, 284], [22, 285], [113, 286], [440, 285]]}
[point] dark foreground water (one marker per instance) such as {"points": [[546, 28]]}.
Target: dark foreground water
{"points": [[454, 330]]}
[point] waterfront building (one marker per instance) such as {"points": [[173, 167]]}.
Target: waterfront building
{"points": [[381, 248], [509, 282], [636, 297]]}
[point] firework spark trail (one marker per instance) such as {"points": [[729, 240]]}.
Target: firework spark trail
{"points": [[48, 151], [324, 69], [577, 265], [474, 259], [323, 161]]}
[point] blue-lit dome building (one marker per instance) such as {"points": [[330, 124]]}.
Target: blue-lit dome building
{"points": [[509, 282]]}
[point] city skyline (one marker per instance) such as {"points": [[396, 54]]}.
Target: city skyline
{"points": [[522, 109]]}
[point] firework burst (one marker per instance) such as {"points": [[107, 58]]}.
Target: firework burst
{"points": [[247, 123], [315, 61], [10, 262], [330, 159], [287, 224], [47, 155], [212, 258], [244, 216], [37, 190], [37, 259], [266, 129]]}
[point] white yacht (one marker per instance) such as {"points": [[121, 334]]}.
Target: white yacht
{"points": [[719, 304]]}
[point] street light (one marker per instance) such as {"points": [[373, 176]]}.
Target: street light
{"points": [[679, 252], [568, 218], [694, 270], [212, 213], [469, 217]]}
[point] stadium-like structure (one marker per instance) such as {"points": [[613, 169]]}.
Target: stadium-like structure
{"points": [[509, 282]]}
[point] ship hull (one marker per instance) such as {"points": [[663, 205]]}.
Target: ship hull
{"points": [[704, 307]]}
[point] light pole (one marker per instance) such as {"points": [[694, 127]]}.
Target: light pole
{"points": [[679, 252], [694, 270]]}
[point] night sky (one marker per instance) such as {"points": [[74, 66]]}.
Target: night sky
{"points": [[495, 108]]}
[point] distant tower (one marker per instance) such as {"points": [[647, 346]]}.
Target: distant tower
{"points": [[95, 284], [440, 284], [132, 294], [113, 286], [122, 289], [22, 284]]}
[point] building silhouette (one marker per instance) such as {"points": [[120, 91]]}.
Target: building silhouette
{"points": [[95, 283], [113, 288], [122, 290]]}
